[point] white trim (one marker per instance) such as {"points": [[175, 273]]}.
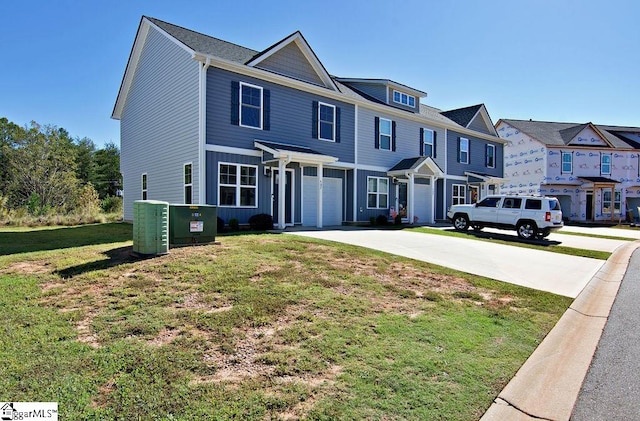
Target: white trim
{"points": [[238, 185], [355, 168], [424, 143], [333, 123], [291, 156], [602, 155], [456, 177], [240, 104], [282, 202], [377, 192], [202, 133], [486, 155], [380, 134], [562, 171], [406, 95], [372, 168], [460, 139], [231, 149], [464, 189], [185, 184]]}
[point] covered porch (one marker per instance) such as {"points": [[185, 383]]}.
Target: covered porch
{"points": [[482, 185]]}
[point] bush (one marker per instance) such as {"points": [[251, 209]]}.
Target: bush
{"points": [[382, 220], [261, 222], [220, 225], [111, 204], [372, 221], [397, 220], [88, 202], [234, 224]]}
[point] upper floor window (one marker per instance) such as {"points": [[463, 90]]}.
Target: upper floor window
{"points": [[567, 162], [326, 121], [377, 192], [404, 99], [250, 106], [238, 185], [490, 156], [385, 134], [188, 183], [144, 186], [605, 164], [428, 142], [463, 150]]}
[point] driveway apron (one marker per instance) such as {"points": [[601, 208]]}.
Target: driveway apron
{"points": [[553, 272]]}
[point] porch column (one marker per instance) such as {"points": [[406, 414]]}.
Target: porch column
{"points": [[432, 183], [410, 197], [282, 185], [320, 187]]}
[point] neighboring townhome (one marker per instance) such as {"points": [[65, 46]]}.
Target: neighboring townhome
{"points": [[592, 169], [210, 122]]}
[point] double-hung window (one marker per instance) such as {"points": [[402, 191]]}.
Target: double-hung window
{"points": [[377, 192], [250, 105], [459, 194], [605, 164], [567, 162], [326, 122], [490, 156], [188, 183], [385, 134], [144, 186], [427, 142], [238, 185], [463, 150]]}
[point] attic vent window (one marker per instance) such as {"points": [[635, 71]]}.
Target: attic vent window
{"points": [[404, 99]]}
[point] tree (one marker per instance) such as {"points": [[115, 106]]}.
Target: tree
{"points": [[85, 150], [107, 179], [9, 135]]}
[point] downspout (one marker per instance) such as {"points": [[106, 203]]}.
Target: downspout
{"points": [[202, 133], [445, 178], [355, 166]]}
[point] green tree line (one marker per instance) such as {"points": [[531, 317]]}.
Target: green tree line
{"points": [[44, 170]]}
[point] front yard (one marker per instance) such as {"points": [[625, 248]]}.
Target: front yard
{"points": [[260, 327]]}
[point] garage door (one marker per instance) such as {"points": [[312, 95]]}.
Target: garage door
{"points": [[422, 208], [331, 201]]}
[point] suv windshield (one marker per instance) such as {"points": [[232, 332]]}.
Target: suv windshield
{"points": [[554, 204]]}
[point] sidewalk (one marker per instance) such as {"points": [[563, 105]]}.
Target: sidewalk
{"points": [[549, 383]]}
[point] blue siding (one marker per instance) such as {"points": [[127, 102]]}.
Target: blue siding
{"points": [[365, 214], [476, 156], [290, 61], [291, 118]]}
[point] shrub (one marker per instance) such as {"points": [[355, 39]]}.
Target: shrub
{"points": [[111, 204], [234, 224], [261, 222], [372, 220], [88, 202], [220, 225], [397, 220], [382, 220]]}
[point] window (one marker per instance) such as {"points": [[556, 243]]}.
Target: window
{"points": [[385, 134], [404, 99], [144, 186], [326, 121], [238, 185], [463, 150], [490, 156], [250, 106], [534, 204], [489, 202], [605, 164], [377, 193], [567, 162], [459, 196], [512, 203], [606, 202], [188, 183], [427, 143]]}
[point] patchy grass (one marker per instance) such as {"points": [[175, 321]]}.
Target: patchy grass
{"points": [[543, 245], [259, 327]]}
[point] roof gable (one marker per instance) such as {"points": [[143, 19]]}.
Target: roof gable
{"points": [[583, 135], [293, 57], [475, 117]]}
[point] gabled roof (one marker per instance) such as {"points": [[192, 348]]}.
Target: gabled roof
{"points": [[560, 134], [463, 116], [415, 166], [296, 153], [386, 82]]}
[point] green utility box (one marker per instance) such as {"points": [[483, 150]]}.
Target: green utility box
{"points": [[150, 227], [192, 224]]}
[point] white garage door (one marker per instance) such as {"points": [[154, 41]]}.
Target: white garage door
{"points": [[422, 208], [331, 201]]}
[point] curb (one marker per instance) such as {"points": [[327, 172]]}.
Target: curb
{"points": [[548, 384]]}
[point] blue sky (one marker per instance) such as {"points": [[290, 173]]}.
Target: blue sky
{"points": [[552, 60]]}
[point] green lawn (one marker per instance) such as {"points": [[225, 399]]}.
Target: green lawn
{"points": [[259, 327]]}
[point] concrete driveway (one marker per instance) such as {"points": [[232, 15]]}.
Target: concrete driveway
{"points": [[547, 271]]}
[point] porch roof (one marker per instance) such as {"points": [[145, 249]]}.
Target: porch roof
{"points": [[483, 178], [421, 166], [599, 180], [294, 153]]}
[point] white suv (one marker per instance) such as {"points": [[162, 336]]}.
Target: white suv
{"points": [[530, 216]]}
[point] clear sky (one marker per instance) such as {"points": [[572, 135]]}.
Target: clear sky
{"points": [[553, 60]]}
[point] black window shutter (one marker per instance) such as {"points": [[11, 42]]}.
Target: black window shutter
{"points": [[393, 136], [377, 132], [235, 103], [458, 154], [337, 124], [314, 120], [266, 109], [435, 134], [486, 155], [421, 141]]}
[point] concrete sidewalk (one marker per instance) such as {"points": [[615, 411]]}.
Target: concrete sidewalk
{"points": [[553, 272], [548, 384]]}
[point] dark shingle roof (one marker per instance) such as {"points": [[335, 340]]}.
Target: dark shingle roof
{"points": [[206, 44], [405, 164], [599, 180], [560, 134], [462, 116]]}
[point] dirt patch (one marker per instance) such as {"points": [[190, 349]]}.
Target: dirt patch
{"points": [[165, 336], [32, 267]]}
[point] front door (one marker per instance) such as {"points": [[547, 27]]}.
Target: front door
{"points": [[474, 194], [401, 200], [288, 199], [589, 209]]}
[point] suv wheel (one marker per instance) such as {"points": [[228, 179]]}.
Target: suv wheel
{"points": [[460, 222], [527, 230]]}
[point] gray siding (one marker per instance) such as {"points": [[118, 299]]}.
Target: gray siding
{"points": [[402, 106], [407, 141], [375, 90], [159, 124], [478, 125], [290, 61], [363, 213], [476, 156], [291, 118]]}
